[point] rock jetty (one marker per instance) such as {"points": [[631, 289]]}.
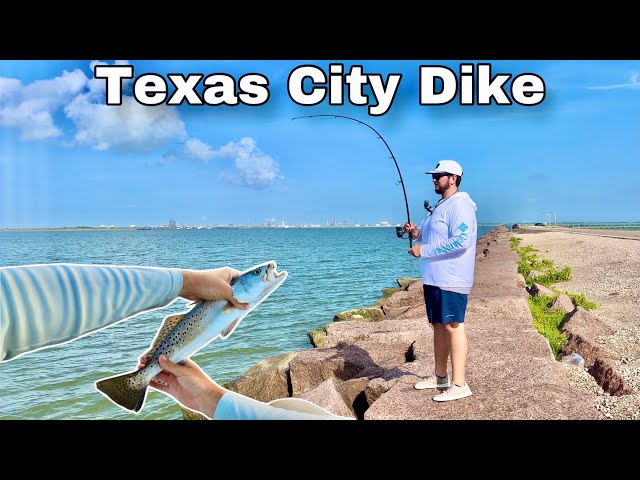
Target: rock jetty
{"points": [[365, 362]]}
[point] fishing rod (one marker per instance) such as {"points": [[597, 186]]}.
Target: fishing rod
{"points": [[399, 230]]}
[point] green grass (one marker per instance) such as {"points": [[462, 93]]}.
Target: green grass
{"points": [[524, 268], [551, 276], [545, 320], [544, 265], [526, 253], [527, 260], [580, 300]]}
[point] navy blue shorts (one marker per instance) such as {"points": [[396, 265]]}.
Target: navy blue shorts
{"points": [[444, 306]]}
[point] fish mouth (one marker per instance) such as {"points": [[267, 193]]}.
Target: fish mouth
{"points": [[271, 279], [272, 274], [250, 288]]}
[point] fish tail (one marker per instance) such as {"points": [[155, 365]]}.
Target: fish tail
{"points": [[128, 390]]}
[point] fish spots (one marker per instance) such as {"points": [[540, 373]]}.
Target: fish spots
{"points": [[183, 334]]}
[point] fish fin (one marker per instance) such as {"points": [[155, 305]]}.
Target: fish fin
{"points": [[230, 328], [128, 390], [165, 329], [188, 414]]}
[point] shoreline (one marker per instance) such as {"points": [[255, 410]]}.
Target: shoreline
{"points": [[217, 227], [633, 232], [364, 363]]}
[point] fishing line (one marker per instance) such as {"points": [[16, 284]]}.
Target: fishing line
{"points": [[406, 203]]}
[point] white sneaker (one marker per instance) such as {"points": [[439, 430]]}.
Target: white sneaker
{"points": [[454, 392], [433, 382]]}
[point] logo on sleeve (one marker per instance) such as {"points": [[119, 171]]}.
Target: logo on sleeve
{"points": [[463, 227]]}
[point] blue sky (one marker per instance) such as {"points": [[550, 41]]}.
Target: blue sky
{"points": [[68, 159]]}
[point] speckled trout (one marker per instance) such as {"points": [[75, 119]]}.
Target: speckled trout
{"points": [[182, 335]]}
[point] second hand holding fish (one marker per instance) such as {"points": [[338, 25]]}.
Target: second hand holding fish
{"points": [[188, 384], [182, 335]]}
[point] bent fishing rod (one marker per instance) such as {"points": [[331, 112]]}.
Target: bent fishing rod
{"points": [[399, 230]]}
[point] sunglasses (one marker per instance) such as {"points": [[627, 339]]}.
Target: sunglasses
{"points": [[438, 176]]}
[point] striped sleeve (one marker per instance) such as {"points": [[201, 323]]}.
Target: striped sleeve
{"points": [[233, 406], [44, 305]]}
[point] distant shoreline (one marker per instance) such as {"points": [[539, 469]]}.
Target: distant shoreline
{"points": [[235, 227], [63, 229], [617, 226]]}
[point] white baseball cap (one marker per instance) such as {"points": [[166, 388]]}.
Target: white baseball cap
{"points": [[447, 166]]}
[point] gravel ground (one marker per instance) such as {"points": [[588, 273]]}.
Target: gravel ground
{"points": [[607, 271]]}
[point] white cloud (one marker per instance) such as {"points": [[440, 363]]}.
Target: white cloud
{"points": [[197, 150], [191, 149], [632, 83], [253, 168], [30, 109], [9, 87], [129, 126]]}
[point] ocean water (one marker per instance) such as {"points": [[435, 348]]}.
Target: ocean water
{"points": [[330, 270]]}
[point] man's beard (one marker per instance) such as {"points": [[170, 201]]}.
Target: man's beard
{"points": [[440, 190]]}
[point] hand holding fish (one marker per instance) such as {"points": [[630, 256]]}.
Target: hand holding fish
{"points": [[210, 285], [187, 384], [183, 334], [193, 389]]}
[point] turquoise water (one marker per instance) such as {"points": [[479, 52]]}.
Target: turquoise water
{"points": [[330, 270]]}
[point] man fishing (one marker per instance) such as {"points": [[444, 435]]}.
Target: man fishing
{"points": [[446, 247], [46, 305]]}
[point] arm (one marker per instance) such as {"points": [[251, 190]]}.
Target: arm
{"points": [[462, 222], [192, 388], [45, 305], [233, 406]]}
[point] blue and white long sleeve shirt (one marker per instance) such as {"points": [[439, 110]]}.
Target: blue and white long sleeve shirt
{"points": [[448, 244], [45, 305]]}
